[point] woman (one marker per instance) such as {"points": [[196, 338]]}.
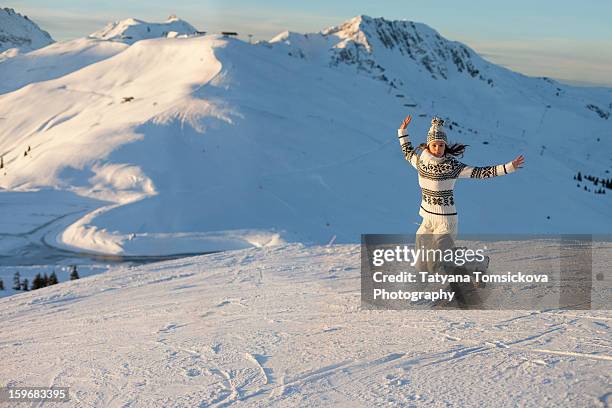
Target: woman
{"points": [[438, 170]]}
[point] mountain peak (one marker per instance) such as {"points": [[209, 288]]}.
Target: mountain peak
{"points": [[19, 32], [354, 29], [365, 30], [131, 30], [373, 43]]}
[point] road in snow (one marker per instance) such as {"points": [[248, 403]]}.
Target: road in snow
{"points": [[283, 325]]}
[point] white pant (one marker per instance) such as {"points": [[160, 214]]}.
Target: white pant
{"points": [[435, 232], [439, 225]]}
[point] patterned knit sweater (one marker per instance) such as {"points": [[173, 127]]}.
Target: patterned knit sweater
{"points": [[437, 176]]}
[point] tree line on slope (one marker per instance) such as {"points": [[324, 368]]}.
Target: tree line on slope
{"points": [[39, 281], [605, 183]]}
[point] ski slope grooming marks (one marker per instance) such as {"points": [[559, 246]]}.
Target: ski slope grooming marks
{"points": [[282, 326]]}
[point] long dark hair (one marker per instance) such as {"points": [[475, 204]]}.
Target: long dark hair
{"points": [[455, 149]]}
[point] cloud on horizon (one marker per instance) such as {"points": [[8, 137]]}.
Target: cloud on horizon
{"points": [[575, 62]]}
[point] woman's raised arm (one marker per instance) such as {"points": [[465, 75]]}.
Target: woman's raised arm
{"points": [[492, 171], [409, 153]]}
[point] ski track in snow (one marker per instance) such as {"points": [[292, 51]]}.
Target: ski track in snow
{"points": [[283, 326]]}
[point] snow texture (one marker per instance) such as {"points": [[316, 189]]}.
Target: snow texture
{"points": [[282, 326]]}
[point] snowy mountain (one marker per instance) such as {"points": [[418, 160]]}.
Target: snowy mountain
{"points": [[379, 48], [206, 143], [65, 57], [19, 34], [131, 30]]}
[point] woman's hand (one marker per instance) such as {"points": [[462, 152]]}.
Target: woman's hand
{"points": [[518, 162], [406, 122]]}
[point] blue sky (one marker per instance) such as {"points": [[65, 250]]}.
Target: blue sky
{"points": [[567, 40]]}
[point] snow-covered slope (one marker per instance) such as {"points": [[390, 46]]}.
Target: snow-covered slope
{"points": [[283, 327], [208, 143], [19, 34], [131, 30], [65, 57], [54, 61]]}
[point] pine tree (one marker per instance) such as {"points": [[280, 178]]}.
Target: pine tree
{"points": [[25, 285], [17, 281], [53, 279], [579, 177], [37, 282], [45, 279], [74, 274]]}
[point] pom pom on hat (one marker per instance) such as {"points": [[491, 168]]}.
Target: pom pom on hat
{"points": [[436, 132]]}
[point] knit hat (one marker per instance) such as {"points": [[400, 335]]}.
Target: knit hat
{"points": [[436, 132]]}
